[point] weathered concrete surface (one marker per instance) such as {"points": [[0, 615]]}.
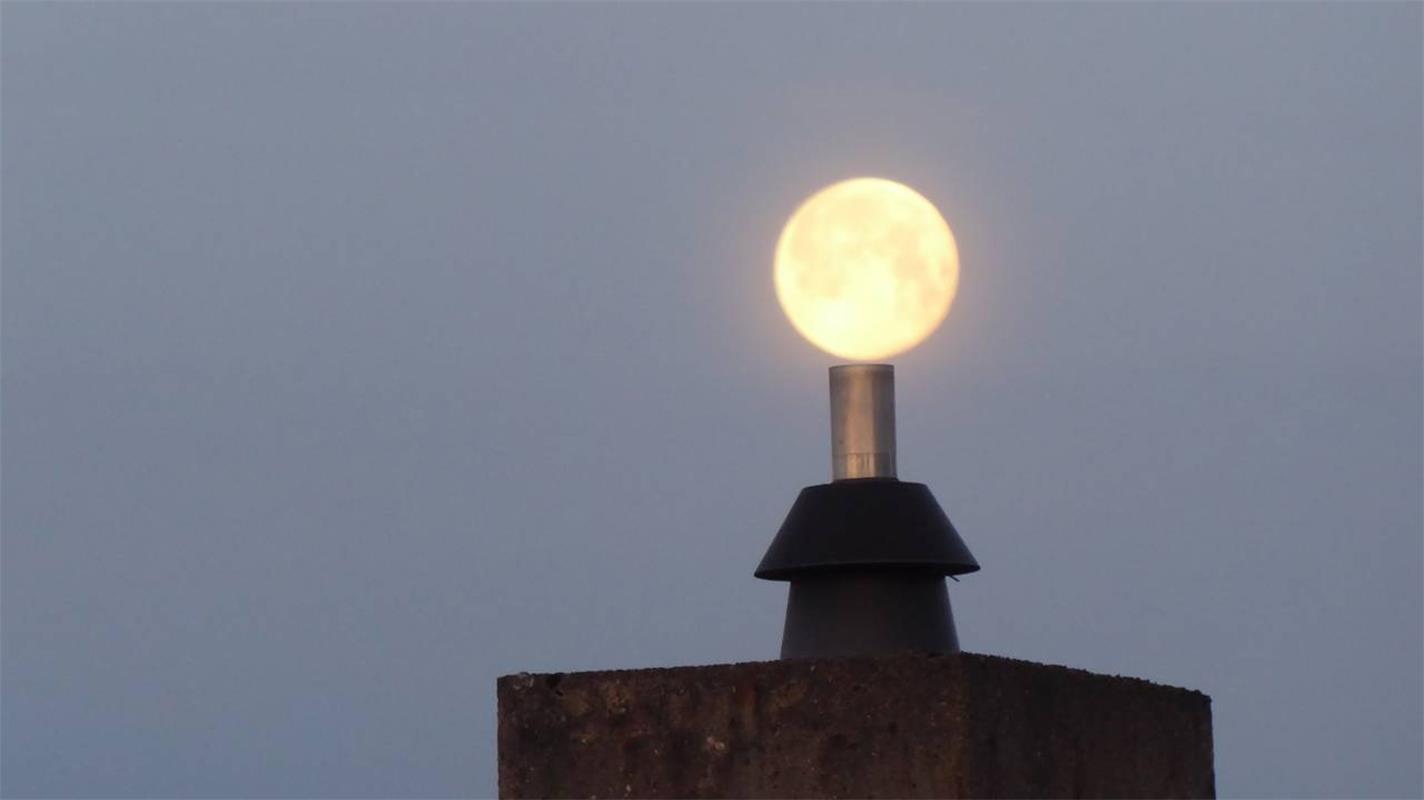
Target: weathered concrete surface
{"points": [[904, 726]]}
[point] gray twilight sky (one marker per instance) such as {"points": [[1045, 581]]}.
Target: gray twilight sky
{"points": [[356, 354]]}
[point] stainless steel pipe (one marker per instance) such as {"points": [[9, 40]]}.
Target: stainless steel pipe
{"points": [[862, 421]]}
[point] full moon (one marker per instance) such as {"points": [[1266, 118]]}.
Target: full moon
{"points": [[866, 269]]}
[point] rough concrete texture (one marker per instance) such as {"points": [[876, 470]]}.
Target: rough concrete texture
{"points": [[903, 726]]}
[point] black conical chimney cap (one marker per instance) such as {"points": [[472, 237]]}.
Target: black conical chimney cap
{"points": [[862, 525]]}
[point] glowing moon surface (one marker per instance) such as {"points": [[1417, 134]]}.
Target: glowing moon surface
{"points": [[866, 268]]}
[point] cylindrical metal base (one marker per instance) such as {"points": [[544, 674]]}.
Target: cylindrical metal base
{"points": [[876, 613]]}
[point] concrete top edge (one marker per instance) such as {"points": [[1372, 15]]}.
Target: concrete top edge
{"points": [[906, 660]]}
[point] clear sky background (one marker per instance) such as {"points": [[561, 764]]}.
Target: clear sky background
{"points": [[356, 354]]}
